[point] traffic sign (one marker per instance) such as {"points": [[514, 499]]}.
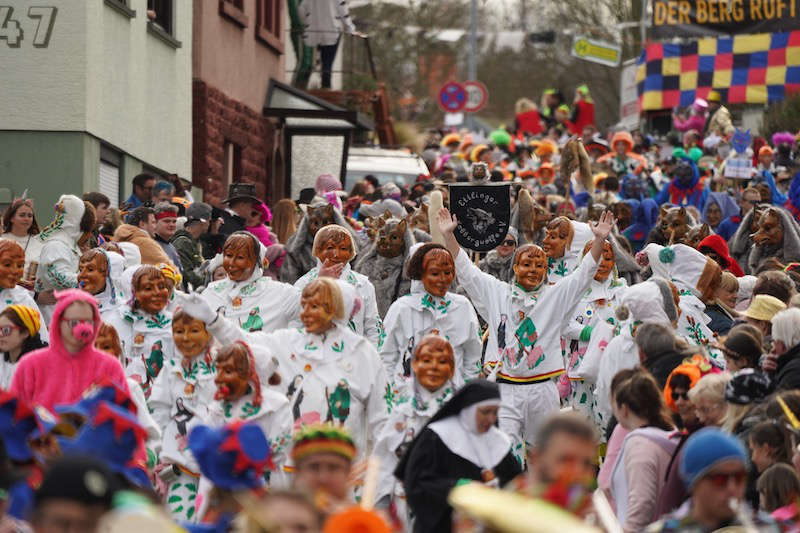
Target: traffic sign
{"points": [[452, 97], [608, 54], [477, 95]]}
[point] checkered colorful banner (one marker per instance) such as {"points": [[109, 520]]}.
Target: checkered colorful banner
{"points": [[753, 69]]}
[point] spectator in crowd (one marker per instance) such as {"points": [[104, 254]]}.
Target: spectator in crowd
{"points": [[742, 347], [163, 191], [241, 199], [75, 494], [761, 310], [19, 225], [644, 458], [708, 398], [786, 348], [102, 206], [186, 242], [142, 191], [284, 219], [778, 492], [139, 231], [714, 468], [166, 216]]}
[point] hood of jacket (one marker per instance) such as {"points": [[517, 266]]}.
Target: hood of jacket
{"points": [[64, 300], [66, 224]]}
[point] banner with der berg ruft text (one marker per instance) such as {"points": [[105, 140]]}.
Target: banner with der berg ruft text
{"points": [[697, 18]]}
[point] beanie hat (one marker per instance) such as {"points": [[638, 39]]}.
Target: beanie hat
{"points": [[748, 386], [326, 183], [743, 344], [704, 450], [29, 316], [323, 438]]}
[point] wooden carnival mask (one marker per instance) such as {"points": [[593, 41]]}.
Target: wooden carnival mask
{"points": [[12, 263], [438, 272], [239, 257], [558, 237], [150, 289], [674, 224], [530, 267], [697, 234], [93, 271], [233, 373], [433, 362]]}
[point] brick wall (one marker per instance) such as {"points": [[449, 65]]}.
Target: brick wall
{"points": [[217, 118]]}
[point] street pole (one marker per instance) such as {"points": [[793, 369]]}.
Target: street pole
{"points": [[472, 62]]}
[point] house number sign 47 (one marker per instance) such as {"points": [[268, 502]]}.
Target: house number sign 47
{"points": [[11, 30]]}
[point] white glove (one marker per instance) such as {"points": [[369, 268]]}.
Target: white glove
{"points": [[196, 306]]}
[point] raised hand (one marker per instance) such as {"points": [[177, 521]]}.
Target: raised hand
{"points": [[196, 306], [447, 224], [602, 227], [330, 269]]}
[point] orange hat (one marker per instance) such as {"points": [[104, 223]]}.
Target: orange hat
{"points": [[466, 143], [694, 368], [545, 180], [526, 173], [546, 147], [451, 138], [765, 150], [600, 176], [476, 152]]}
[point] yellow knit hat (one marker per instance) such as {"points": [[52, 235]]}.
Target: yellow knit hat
{"points": [[170, 272], [29, 316]]}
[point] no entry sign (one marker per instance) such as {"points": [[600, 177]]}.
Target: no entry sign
{"points": [[452, 97]]}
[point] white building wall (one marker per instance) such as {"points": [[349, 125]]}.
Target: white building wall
{"points": [[139, 88], [43, 87], [104, 73]]}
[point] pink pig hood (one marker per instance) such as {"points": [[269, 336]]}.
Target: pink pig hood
{"points": [[63, 300]]}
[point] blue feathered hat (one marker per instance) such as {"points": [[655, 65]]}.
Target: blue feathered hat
{"points": [[104, 391], [233, 457], [113, 434], [17, 423]]}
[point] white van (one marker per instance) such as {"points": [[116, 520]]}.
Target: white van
{"points": [[397, 166]]}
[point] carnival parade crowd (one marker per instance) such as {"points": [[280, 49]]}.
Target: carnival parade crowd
{"points": [[627, 358]]}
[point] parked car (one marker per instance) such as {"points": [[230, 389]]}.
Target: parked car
{"points": [[386, 165]]}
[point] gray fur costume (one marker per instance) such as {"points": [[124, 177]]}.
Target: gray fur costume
{"points": [[300, 247], [386, 273], [741, 242]]}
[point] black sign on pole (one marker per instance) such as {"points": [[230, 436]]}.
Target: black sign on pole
{"points": [[483, 211], [703, 18]]}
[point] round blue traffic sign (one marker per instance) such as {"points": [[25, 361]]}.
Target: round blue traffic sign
{"points": [[452, 97]]}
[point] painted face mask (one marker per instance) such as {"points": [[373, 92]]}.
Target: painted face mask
{"points": [[531, 268], [559, 234], [433, 366], [92, 272], [233, 372], [239, 257], [770, 231], [438, 272], [12, 265]]}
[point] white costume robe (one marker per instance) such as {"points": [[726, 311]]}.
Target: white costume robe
{"points": [[524, 341], [412, 407], [598, 305], [146, 343], [179, 400], [256, 304], [366, 321], [335, 377], [417, 314]]}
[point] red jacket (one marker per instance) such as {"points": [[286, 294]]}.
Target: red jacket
{"points": [[529, 122], [583, 116]]}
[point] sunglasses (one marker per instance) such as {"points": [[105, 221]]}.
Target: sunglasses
{"points": [[721, 480], [5, 331], [509, 243], [680, 395]]}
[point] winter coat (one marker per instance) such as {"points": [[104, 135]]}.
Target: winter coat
{"points": [[191, 257], [787, 375], [499, 267], [151, 252]]}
